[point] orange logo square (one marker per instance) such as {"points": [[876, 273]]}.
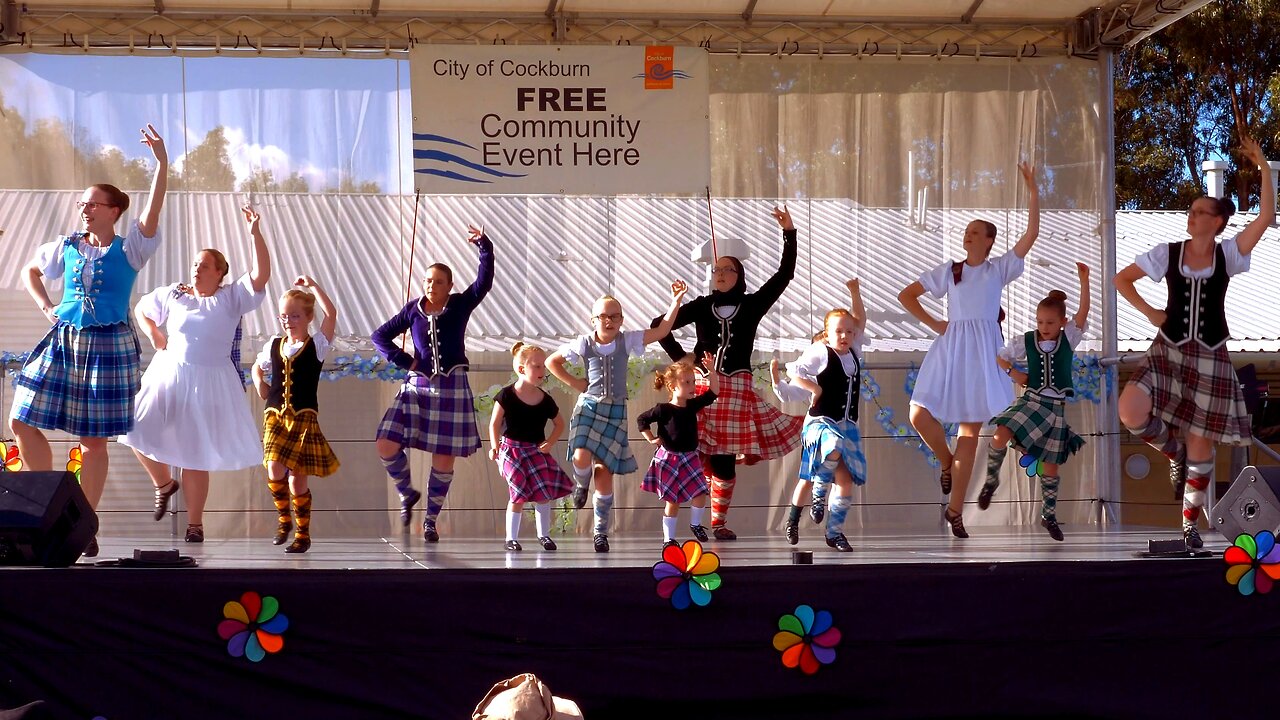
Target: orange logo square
{"points": [[659, 67]]}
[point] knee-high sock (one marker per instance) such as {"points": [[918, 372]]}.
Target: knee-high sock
{"points": [[581, 476], [603, 505], [1049, 492], [721, 496], [995, 459], [302, 512], [822, 480], [1156, 434], [793, 515], [542, 515], [398, 470], [513, 524], [837, 510], [668, 528], [695, 514], [280, 496], [1199, 473], [437, 489]]}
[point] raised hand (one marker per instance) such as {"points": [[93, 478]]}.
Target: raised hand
{"points": [[474, 233], [1028, 174], [252, 217], [852, 285], [678, 289], [1253, 151], [152, 139], [783, 216], [1082, 270], [304, 281]]}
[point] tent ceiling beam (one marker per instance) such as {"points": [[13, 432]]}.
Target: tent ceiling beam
{"points": [[144, 31]]}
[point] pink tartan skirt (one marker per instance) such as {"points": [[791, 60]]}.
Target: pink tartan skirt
{"points": [[1195, 390], [531, 474], [675, 476], [741, 423]]}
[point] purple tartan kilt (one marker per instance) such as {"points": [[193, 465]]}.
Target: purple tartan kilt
{"points": [[532, 475], [675, 476], [434, 414]]}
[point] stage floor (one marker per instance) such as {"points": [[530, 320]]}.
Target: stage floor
{"points": [[410, 552]]}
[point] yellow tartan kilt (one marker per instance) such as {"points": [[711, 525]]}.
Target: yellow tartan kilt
{"points": [[296, 441]]}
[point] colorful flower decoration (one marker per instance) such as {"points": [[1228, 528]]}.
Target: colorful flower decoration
{"points": [[253, 626], [73, 461], [1032, 465], [806, 639], [12, 463], [1253, 562], [687, 575]]}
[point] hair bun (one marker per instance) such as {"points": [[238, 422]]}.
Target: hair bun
{"points": [[1228, 206], [1056, 295], [515, 349]]}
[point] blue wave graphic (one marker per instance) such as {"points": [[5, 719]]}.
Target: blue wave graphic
{"points": [[661, 73], [448, 158]]}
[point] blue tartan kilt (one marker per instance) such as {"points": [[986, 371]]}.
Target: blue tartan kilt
{"points": [[599, 426], [823, 436], [434, 414], [81, 380]]}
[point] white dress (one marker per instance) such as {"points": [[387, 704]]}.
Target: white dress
{"points": [[959, 380], [192, 411]]}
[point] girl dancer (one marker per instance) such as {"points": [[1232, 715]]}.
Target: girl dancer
{"points": [[1036, 422], [520, 414], [741, 424], [294, 447], [434, 410], [676, 474], [1185, 397], [959, 381], [598, 426], [191, 410], [831, 371], [82, 376]]}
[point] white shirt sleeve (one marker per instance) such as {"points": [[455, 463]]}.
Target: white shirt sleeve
{"points": [[786, 392], [1015, 351], [1236, 262], [139, 248], [811, 362], [264, 358], [1154, 262], [322, 345], [1074, 334], [634, 340], [1010, 266], [575, 349], [243, 298], [49, 259], [155, 304], [938, 280]]}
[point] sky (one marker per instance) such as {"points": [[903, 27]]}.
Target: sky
{"points": [[316, 116]]}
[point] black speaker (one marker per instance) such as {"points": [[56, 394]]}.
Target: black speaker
{"points": [[1250, 505], [45, 519]]}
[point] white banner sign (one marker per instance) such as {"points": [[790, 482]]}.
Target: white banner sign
{"points": [[533, 120]]}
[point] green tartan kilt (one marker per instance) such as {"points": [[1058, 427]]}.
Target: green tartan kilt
{"points": [[1040, 429]]}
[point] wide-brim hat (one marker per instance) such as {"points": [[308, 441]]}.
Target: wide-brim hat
{"points": [[524, 697]]}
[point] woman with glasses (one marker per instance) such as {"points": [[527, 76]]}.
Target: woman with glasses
{"points": [[740, 424], [1185, 397], [434, 411], [191, 411], [82, 376]]}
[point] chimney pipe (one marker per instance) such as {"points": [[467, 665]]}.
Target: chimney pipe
{"points": [[1215, 177]]}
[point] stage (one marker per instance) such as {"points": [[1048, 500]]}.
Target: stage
{"points": [[1006, 623]]}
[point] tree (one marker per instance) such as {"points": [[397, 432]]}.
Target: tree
{"points": [[264, 180], [207, 166]]}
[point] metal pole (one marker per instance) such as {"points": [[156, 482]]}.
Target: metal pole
{"points": [[1107, 459]]}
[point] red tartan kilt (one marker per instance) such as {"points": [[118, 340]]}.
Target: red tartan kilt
{"points": [[741, 423], [1195, 389]]}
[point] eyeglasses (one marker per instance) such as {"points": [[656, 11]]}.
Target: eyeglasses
{"points": [[724, 271], [614, 318], [294, 316], [92, 205], [1197, 212]]}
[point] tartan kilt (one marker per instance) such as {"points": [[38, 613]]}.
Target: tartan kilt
{"points": [[81, 380], [1195, 390], [1040, 429], [741, 423], [823, 436], [675, 476], [532, 475], [599, 426], [435, 414], [296, 441]]}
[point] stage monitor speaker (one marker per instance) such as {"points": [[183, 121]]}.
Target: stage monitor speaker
{"points": [[45, 519], [1250, 505]]}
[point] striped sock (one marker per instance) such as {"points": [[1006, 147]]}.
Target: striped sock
{"points": [[837, 510], [603, 505], [280, 496], [721, 496], [1049, 491], [995, 459], [398, 470], [437, 489], [1193, 496], [1156, 434], [302, 511]]}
